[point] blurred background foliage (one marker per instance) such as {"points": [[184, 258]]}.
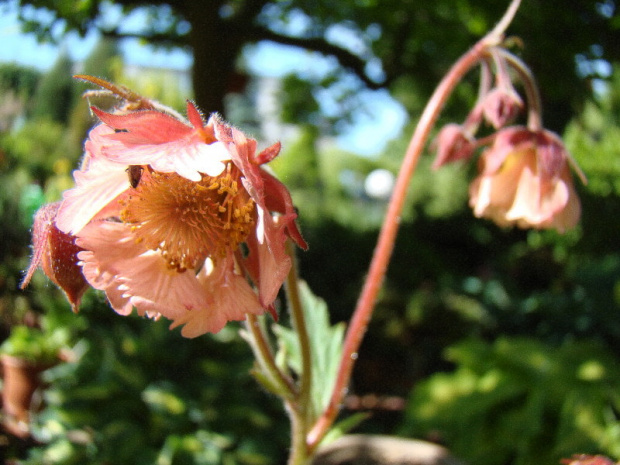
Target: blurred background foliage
{"points": [[503, 342]]}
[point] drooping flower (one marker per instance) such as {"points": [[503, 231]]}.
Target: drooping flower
{"points": [[525, 180], [178, 219], [55, 252]]}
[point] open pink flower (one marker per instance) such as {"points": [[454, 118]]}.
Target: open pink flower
{"points": [[525, 180], [174, 217]]}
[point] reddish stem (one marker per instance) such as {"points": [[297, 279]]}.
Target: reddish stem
{"points": [[385, 243]]}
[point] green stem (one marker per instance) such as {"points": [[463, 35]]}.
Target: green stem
{"points": [[280, 383], [298, 322], [300, 454], [299, 410]]}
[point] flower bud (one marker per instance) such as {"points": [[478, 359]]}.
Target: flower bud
{"points": [[501, 106], [453, 143], [56, 253]]}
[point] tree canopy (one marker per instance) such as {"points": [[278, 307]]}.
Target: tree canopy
{"points": [[381, 43]]}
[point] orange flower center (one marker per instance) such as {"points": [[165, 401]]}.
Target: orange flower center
{"points": [[189, 221]]}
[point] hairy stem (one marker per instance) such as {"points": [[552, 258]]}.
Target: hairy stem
{"points": [[385, 243], [299, 408], [299, 325]]}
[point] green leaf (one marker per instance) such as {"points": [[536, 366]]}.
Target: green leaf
{"points": [[325, 348], [344, 426]]}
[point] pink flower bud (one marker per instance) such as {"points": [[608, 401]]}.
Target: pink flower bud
{"points": [[453, 143], [56, 253], [501, 106]]}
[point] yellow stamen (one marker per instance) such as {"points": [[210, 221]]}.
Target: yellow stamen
{"points": [[189, 221]]}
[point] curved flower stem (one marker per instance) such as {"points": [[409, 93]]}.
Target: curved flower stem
{"points": [[280, 383], [505, 21], [385, 243], [534, 104]]}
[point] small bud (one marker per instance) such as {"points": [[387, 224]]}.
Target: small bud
{"points": [[56, 253], [501, 106], [452, 144]]}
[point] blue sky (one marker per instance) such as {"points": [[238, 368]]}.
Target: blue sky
{"points": [[368, 136]]}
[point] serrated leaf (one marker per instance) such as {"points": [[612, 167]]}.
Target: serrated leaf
{"points": [[325, 348]]}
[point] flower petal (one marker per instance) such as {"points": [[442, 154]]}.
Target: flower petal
{"points": [[147, 127], [127, 272], [97, 185], [180, 148], [231, 299]]}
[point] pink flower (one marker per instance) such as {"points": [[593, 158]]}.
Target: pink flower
{"points": [[525, 180], [56, 253], [174, 217], [453, 143]]}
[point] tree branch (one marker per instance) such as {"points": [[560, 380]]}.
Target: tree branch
{"points": [[152, 38], [345, 58]]}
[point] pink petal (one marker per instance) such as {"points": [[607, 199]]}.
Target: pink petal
{"points": [[268, 154], [194, 116], [105, 281], [278, 199], [506, 142], [188, 155], [127, 272], [453, 143], [191, 159], [95, 189], [145, 127], [232, 299], [267, 261]]}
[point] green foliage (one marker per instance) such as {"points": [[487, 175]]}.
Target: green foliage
{"points": [[55, 95], [17, 84], [298, 104], [594, 139], [521, 401], [40, 148], [325, 348], [369, 44], [138, 393], [103, 59], [33, 345], [18, 78], [297, 166]]}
